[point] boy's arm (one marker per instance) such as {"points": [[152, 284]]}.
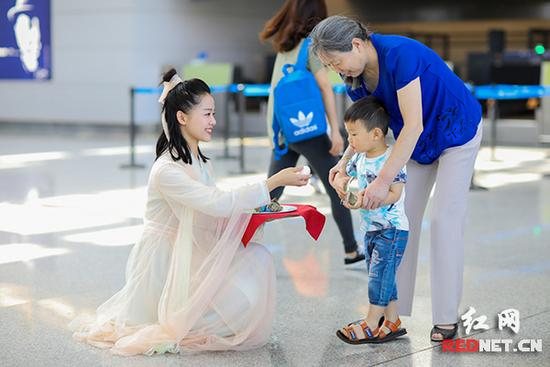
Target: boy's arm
{"points": [[396, 189]]}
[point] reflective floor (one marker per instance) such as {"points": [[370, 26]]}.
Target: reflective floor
{"points": [[69, 215]]}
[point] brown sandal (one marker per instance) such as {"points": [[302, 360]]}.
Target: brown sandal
{"points": [[395, 331], [358, 333]]}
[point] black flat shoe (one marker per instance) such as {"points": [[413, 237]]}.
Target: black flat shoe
{"points": [[353, 260], [445, 333]]}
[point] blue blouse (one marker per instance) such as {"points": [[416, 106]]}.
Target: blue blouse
{"points": [[450, 112]]}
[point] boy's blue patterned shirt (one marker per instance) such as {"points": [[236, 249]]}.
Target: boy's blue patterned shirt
{"points": [[366, 170]]}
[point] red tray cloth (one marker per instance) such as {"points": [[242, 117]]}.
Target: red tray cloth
{"points": [[315, 221]]}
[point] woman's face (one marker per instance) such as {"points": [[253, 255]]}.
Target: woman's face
{"points": [[199, 123], [351, 63]]}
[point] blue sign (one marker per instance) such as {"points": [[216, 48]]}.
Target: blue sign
{"points": [[25, 47]]}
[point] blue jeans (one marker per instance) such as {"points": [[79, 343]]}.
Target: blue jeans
{"points": [[383, 252]]}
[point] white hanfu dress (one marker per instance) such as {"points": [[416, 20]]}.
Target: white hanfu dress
{"points": [[190, 283]]}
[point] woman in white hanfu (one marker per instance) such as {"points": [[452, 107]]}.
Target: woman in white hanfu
{"points": [[190, 283]]}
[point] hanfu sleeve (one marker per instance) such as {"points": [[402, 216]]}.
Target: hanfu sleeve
{"points": [[177, 186]]}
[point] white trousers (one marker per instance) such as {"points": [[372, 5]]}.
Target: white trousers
{"points": [[452, 174]]}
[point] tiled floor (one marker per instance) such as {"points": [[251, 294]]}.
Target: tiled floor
{"points": [[69, 214]]}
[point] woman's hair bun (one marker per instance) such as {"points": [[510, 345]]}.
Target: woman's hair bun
{"points": [[168, 75]]}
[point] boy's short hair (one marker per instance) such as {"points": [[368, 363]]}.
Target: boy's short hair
{"points": [[370, 112]]}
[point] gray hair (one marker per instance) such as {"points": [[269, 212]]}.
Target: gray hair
{"points": [[335, 34]]}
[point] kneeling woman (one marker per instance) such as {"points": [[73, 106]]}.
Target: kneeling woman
{"points": [[190, 284]]}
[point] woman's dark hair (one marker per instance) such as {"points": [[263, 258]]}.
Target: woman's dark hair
{"points": [[183, 97], [293, 21], [369, 112]]}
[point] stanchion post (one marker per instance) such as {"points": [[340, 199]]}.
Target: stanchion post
{"points": [[492, 105], [132, 127], [242, 107], [226, 132], [132, 163], [343, 104]]}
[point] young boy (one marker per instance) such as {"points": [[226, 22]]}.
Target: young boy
{"points": [[386, 228]]}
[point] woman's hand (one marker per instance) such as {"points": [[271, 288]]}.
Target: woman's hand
{"points": [[339, 183], [291, 176], [337, 143], [339, 168], [375, 193]]}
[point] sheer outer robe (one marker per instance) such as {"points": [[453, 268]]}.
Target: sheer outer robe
{"points": [[190, 284]]}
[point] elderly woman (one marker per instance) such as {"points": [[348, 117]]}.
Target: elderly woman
{"points": [[437, 125]]}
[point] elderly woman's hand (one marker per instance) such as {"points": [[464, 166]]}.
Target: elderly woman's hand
{"points": [[375, 193], [339, 183], [339, 168]]}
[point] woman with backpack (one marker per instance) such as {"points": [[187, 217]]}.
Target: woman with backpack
{"points": [[287, 30]]}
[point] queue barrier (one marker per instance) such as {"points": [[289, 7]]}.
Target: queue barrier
{"points": [[491, 93], [497, 92], [243, 91]]}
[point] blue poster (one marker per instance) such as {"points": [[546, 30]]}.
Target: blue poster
{"points": [[25, 47]]}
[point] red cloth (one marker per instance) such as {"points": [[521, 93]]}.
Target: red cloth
{"points": [[315, 221]]}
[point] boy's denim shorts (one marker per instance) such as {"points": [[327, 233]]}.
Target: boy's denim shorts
{"points": [[383, 252]]}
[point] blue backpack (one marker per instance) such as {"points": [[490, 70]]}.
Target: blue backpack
{"points": [[298, 109]]}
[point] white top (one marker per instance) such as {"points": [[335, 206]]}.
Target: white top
{"points": [[190, 284]]}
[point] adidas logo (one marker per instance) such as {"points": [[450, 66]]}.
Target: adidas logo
{"points": [[302, 120], [305, 130]]}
